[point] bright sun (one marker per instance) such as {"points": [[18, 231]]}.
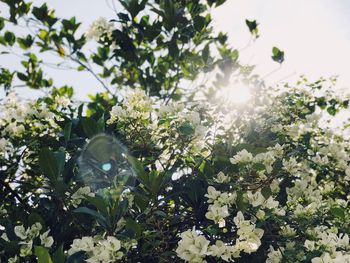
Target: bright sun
{"points": [[237, 93]]}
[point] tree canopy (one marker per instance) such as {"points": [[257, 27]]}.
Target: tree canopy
{"points": [[160, 165]]}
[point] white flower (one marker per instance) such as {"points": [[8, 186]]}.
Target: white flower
{"points": [[242, 157], [255, 199], [291, 165], [111, 243], [193, 247], [274, 186], [5, 237], [3, 144], [325, 258], [271, 203], [287, 231], [46, 240], [13, 260], [222, 178], [220, 198], [62, 101], [309, 245], [260, 214], [223, 251], [34, 230], [239, 219], [98, 28], [217, 214], [21, 232], [80, 194], [83, 244], [26, 248], [15, 129], [274, 256], [249, 236], [347, 173]]}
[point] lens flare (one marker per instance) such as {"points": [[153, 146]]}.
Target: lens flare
{"points": [[103, 163]]}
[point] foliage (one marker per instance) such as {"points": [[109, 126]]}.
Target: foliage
{"points": [[261, 182]]}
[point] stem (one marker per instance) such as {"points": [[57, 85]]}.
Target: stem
{"points": [[93, 73]]}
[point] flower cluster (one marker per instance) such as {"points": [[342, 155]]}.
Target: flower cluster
{"points": [[27, 238], [219, 203], [98, 250], [80, 194], [100, 27], [194, 247], [18, 117]]}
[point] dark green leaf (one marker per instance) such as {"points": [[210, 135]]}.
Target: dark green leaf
{"points": [[266, 192], [99, 203], [10, 38], [76, 257], [99, 217], [253, 27], [277, 55], [90, 126], [35, 218], [67, 132], [338, 212], [134, 226], [58, 256], [49, 164], [22, 76], [186, 129], [2, 23]]}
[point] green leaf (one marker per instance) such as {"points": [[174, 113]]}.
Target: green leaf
{"points": [[99, 217], [186, 129], [42, 254], [121, 210], [40, 12], [98, 202], [258, 166], [25, 43], [58, 255], [48, 164], [2, 23], [266, 192], [138, 168], [10, 38], [80, 68], [253, 27], [134, 226], [91, 127], [338, 212], [76, 257], [216, 2], [22, 76], [332, 110], [199, 23], [67, 131], [277, 55], [235, 55], [242, 205], [133, 6], [35, 218], [205, 53]]}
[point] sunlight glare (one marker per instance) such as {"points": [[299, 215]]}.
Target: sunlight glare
{"points": [[237, 93]]}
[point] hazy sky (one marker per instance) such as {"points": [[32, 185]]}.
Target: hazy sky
{"points": [[314, 35]]}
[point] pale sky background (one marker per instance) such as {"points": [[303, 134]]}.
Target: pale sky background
{"points": [[314, 35]]}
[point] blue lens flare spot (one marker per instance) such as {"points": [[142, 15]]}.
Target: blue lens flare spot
{"points": [[106, 167]]}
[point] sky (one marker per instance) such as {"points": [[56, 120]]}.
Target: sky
{"points": [[314, 35]]}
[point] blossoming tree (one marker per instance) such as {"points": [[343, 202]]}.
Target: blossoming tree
{"points": [[268, 181]]}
